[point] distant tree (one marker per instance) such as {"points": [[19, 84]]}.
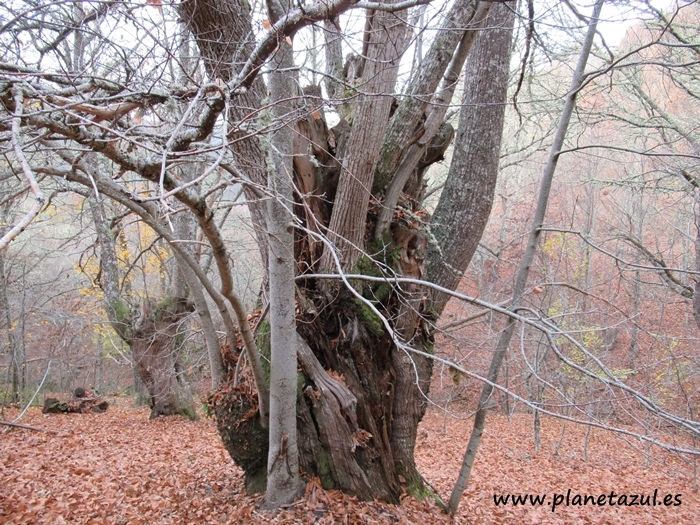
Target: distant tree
{"points": [[151, 329]]}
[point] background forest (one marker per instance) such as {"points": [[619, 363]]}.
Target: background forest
{"points": [[318, 220]]}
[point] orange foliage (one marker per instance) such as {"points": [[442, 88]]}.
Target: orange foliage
{"points": [[120, 467]]}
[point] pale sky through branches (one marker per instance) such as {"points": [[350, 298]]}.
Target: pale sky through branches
{"points": [[617, 19]]}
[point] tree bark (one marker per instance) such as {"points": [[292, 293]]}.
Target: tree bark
{"points": [[467, 198], [406, 123], [385, 45], [224, 35], [350, 390], [154, 344], [696, 288], [428, 136]]}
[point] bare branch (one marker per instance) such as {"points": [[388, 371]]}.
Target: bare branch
{"points": [[391, 8], [101, 10], [664, 271], [28, 427], [28, 173], [286, 27]]}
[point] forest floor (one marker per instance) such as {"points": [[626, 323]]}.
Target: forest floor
{"points": [[122, 468]]}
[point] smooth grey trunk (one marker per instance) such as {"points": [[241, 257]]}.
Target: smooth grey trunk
{"points": [[591, 200], [283, 455], [537, 390], [638, 213], [634, 337], [418, 52], [696, 290], [334, 62], [636, 295], [216, 362], [525, 264]]}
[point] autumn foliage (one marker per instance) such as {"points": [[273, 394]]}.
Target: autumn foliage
{"points": [[122, 468]]}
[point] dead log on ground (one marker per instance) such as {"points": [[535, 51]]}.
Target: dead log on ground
{"points": [[82, 403]]}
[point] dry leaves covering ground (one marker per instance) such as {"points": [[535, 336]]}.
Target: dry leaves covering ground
{"points": [[121, 468]]}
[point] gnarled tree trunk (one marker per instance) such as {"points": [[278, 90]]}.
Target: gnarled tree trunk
{"points": [[154, 342], [360, 394], [358, 401], [152, 336], [358, 405]]}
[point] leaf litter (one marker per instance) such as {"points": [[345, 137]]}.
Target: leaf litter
{"points": [[122, 468]]}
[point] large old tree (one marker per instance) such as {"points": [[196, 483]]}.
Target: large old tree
{"points": [[334, 176]]}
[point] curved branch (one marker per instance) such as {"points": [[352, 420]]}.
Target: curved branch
{"points": [[283, 28], [101, 10], [39, 199], [664, 271], [391, 8], [612, 255], [113, 191]]}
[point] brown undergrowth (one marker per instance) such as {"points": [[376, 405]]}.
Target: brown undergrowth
{"points": [[121, 468]]}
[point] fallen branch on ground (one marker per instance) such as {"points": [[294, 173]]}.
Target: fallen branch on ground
{"points": [[19, 425]]}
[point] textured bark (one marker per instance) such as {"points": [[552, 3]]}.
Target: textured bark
{"points": [[350, 389], [434, 135], [412, 372], [152, 336], [77, 405], [316, 171], [154, 345], [358, 401], [386, 41], [466, 201], [405, 125]]}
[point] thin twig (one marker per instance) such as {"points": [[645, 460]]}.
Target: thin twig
{"points": [[46, 374]]}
